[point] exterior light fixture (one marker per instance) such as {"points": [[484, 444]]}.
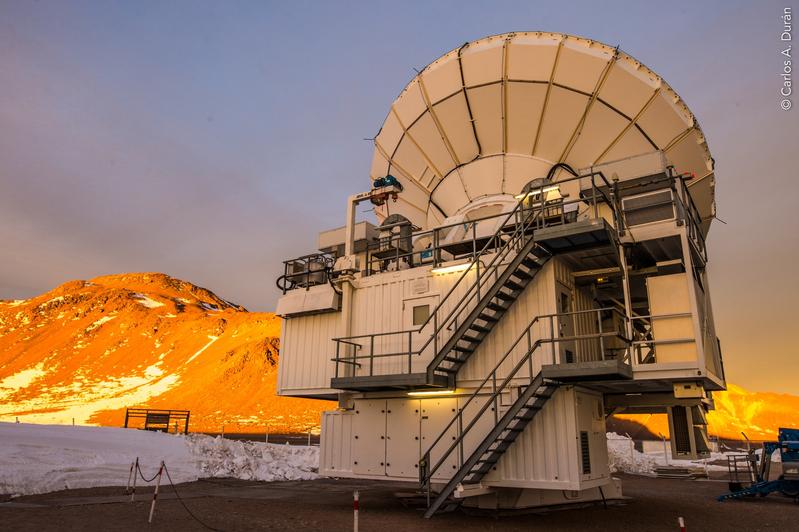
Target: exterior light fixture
{"points": [[550, 188], [431, 393], [452, 268]]}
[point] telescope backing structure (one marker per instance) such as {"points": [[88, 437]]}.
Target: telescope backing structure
{"points": [[540, 263]]}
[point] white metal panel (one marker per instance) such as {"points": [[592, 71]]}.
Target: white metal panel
{"points": [[453, 114], [580, 64], [482, 425], [306, 351], [369, 437], [564, 111], [442, 78], [486, 103], [669, 295], [544, 454], [403, 428], [591, 418], [378, 306], [436, 413], [335, 444], [522, 123]]}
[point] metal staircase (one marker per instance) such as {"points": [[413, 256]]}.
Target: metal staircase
{"points": [[516, 261], [533, 393], [512, 259], [496, 300], [532, 389]]}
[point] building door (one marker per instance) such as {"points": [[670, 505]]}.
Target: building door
{"points": [[415, 312], [566, 348]]}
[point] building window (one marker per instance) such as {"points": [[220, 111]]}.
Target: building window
{"points": [[420, 314]]}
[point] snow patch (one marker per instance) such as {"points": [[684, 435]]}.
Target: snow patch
{"points": [[146, 301], [153, 371], [13, 302], [20, 379], [66, 403], [208, 306], [203, 348], [98, 323]]}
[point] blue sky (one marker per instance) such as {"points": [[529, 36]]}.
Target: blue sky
{"points": [[212, 140]]}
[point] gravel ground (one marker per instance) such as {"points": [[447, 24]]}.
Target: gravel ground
{"points": [[654, 504]]}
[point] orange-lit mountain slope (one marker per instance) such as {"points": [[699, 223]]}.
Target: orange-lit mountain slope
{"points": [[88, 349], [758, 414]]}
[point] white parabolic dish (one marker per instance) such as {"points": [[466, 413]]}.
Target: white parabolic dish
{"points": [[488, 117]]}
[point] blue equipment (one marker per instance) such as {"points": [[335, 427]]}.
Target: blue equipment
{"points": [[388, 181], [788, 483]]}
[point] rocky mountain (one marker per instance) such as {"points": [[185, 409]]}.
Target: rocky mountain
{"points": [[87, 349]]}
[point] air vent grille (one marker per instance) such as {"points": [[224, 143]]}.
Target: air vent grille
{"points": [[585, 453]]}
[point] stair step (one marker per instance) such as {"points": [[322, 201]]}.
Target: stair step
{"points": [[447, 370], [524, 276], [513, 285], [531, 263], [455, 359], [489, 317], [505, 296], [462, 349], [502, 447], [480, 328], [472, 339], [497, 307]]}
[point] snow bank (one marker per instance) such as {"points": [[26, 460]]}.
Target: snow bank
{"points": [[44, 458], [622, 457], [218, 457]]}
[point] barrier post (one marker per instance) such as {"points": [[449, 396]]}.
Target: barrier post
{"points": [[355, 497], [135, 476], [130, 477], [681, 522], [155, 493]]}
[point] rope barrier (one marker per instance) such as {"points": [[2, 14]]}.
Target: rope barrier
{"points": [[200, 521], [162, 469], [141, 474]]}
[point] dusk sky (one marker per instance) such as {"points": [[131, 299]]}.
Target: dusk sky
{"points": [[213, 140]]}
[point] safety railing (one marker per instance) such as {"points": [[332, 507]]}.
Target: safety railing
{"points": [[690, 215], [515, 230], [497, 382], [306, 271]]}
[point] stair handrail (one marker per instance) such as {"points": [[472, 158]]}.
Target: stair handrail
{"points": [[532, 347], [425, 473], [519, 230]]}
